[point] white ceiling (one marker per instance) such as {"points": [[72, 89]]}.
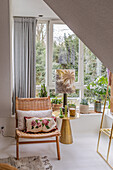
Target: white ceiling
{"points": [[32, 8]]}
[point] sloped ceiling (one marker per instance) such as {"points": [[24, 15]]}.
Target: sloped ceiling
{"points": [[92, 22]]}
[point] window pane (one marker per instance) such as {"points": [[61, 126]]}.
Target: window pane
{"points": [[40, 53], [76, 94], [89, 95], [53, 94], [93, 67], [60, 95], [65, 49]]}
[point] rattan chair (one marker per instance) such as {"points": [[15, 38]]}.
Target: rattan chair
{"points": [[34, 104]]}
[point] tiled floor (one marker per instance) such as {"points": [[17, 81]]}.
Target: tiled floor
{"points": [[81, 155]]}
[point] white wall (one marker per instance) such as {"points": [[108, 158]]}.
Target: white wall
{"points": [[5, 64], [32, 8], [86, 123]]}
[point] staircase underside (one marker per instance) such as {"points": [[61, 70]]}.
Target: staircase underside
{"points": [[92, 22]]}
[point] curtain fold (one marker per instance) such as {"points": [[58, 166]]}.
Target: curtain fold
{"points": [[24, 77]]}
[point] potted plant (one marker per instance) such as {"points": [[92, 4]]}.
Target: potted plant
{"points": [[61, 113], [84, 107], [98, 89], [72, 109], [43, 91], [56, 104]]}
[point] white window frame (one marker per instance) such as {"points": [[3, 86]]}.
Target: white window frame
{"points": [[49, 53]]}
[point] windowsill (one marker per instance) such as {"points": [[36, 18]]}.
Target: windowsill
{"points": [[91, 114], [109, 114]]}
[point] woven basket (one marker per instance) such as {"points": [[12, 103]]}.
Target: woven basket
{"points": [[56, 106]]}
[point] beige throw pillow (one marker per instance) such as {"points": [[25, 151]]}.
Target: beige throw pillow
{"points": [[40, 114]]}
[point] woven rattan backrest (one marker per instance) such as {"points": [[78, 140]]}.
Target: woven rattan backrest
{"points": [[26, 104]]}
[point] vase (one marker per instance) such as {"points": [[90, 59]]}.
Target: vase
{"points": [[72, 111], [84, 109], [97, 107]]}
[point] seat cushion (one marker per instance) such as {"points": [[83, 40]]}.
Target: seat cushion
{"points": [[38, 135]]}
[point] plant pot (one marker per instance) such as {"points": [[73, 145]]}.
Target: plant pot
{"points": [[56, 107], [84, 109], [72, 110], [97, 107]]}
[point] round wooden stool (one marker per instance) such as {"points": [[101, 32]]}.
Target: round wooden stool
{"points": [[4, 166]]}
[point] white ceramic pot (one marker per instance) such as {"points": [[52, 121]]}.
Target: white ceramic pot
{"points": [[84, 109]]}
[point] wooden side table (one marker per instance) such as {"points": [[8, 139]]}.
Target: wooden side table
{"points": [[66, 133]]}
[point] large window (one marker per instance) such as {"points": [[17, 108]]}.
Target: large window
{"points": [[41, 41], [58, 47], [93, 67], [65, 49]]}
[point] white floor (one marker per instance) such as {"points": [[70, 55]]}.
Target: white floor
{"points": [[81, 155]]}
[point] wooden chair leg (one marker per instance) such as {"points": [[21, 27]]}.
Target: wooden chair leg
{"points": [[102, 117], [98, 140], [110, 142], [58, 148], [109, 147], [17, 147]]}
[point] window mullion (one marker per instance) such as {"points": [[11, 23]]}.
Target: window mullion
{"points": [[50, 52], [81, 69], [47, 56]]}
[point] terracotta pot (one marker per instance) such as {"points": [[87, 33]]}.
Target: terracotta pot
{"points": [[56, 106], [84, 109]]}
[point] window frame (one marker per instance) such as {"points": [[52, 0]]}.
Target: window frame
{"points": [[46, 56], [49, 53]]}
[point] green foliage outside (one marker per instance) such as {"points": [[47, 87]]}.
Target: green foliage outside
{"points": [[93, 67], [65, 54], [40, 54]]}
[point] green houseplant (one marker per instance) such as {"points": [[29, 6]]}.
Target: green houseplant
{"points": [[71, 105], [43, 92], [84, 107], [56, 103], [61, 113], [98, 89]]}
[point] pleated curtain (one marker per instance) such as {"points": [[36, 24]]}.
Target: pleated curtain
{"points": [[24, 76]]}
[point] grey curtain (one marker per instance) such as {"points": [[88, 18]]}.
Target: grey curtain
{"points": [[24, 58]]}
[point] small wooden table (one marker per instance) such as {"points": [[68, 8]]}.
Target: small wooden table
{"points": [[66, 133]]}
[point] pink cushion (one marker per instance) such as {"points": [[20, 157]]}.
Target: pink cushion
{"points": [[35, 124]]}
